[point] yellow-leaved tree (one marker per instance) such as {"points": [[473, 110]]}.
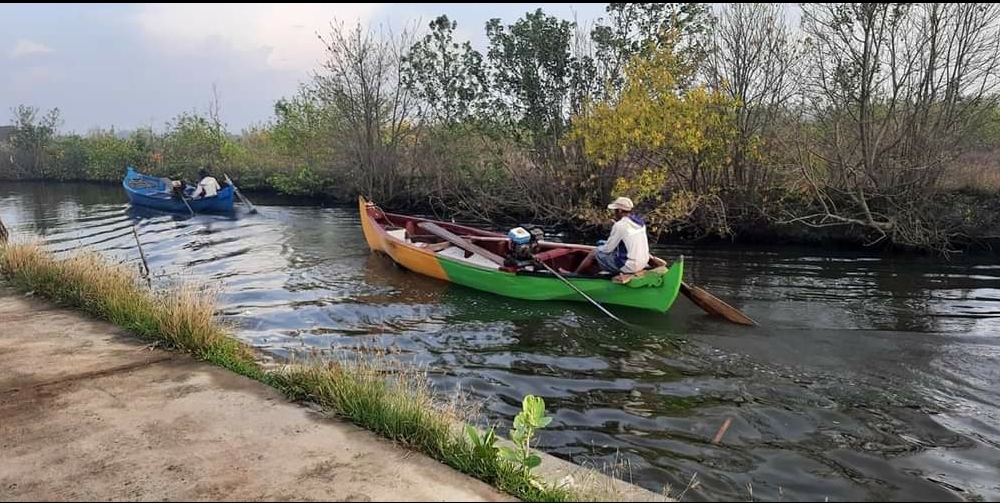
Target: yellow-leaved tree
{"points": [[667, 145]]}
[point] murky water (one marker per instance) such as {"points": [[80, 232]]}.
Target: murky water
{"points": [[870, 377]]}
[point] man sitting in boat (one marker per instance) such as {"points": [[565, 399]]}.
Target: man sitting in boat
{"points": [[178, 186], [627, 248], [208, 186], [177, 189]]}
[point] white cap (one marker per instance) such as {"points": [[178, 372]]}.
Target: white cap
{"points": [[622, 203]]}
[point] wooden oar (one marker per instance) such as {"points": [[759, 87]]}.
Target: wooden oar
{"points": [[710, 303], [714, 305], [464, 244], [184, 199], [458, 241], [238, 194]]}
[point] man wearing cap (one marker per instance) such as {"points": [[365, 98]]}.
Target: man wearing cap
{"points": [[627, 247], [208, 186]]}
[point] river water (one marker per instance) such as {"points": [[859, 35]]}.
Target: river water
{"points": [[870, 377]]}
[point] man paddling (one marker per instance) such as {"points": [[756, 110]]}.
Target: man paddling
{"points": [[627, 248], [208, 186]]}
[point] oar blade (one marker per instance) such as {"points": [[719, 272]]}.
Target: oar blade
{"points": [[714, 305], [252, 209]]}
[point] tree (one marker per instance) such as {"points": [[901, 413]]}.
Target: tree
{"points": [[449, 78], [673, 141], [753, 61], [895, 90], [632, 29], [531, 74], [299, 141], [303, 123], [191, 141], [107, 155], [32, 136], [362, 82]]}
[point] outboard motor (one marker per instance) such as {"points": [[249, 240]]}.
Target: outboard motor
{"points": [[524, 241]]}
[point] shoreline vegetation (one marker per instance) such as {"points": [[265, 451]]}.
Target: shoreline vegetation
{"points": [[874, 125], [370, 390]]}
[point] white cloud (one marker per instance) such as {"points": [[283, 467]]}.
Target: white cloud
{"points": [[285, 32], [25, 47]]}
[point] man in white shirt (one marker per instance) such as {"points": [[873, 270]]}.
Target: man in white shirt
{"points": [[208, 186], [627, 247]]}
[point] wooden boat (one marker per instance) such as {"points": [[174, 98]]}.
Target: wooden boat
{"points": [[153, 192], [489, 261]]}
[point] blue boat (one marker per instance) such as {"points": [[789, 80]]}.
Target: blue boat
{"points": [[153, 192]]}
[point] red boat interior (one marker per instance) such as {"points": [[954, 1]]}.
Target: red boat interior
{"points": [[560, 258]]}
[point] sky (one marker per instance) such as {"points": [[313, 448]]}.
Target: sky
{"points": [[132, 65]]}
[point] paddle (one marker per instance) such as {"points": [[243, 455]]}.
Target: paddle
{"points": [[713, 305], [460, 242], [184, 198], [708, 302], [237, 190], [571, 285]]}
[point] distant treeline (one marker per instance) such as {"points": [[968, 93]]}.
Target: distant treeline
{"points": [[870, 123]]}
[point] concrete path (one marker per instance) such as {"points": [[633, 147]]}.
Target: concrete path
{"points": [[88, 413]]}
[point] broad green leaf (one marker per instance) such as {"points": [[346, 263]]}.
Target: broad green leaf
{"points": [[519, 421], [532, 461], [510, 455]]}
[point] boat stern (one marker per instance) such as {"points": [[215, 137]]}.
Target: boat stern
{"points": [[672, 283], [656, 290]]}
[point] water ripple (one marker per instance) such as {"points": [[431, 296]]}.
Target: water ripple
{"points": [[870, 377]]}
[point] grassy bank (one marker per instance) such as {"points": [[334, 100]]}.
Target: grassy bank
{"points": [[396, 402], [180, 318]]}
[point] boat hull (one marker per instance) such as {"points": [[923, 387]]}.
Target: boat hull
{"points": [[154, 193], [657, 292]]}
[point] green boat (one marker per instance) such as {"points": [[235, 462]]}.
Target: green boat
{"points": [[494, 262]]}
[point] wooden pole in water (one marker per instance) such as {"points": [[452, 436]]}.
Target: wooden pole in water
{"points": [[144, 270], [722, 430]]}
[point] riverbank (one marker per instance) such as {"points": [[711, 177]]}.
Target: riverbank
{"points": [[973, 217], [393, 401], [88, 412]]}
